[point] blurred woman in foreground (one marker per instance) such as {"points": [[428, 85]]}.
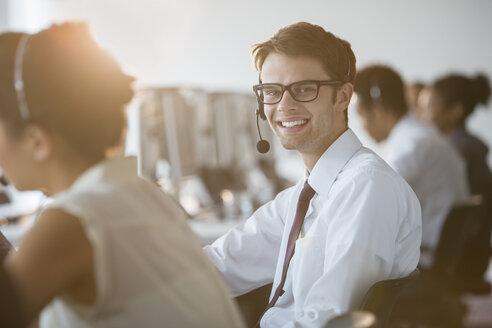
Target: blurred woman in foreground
{"points": [[111, 249]]}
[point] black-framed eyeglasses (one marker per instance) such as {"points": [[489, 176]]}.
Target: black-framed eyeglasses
{"points": [[301, 91]]}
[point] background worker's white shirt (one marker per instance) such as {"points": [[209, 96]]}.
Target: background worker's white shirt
{"points": [[363, 225], [432, 167]]}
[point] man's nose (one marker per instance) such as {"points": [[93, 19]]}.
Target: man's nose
{"points": [[287, 102]]}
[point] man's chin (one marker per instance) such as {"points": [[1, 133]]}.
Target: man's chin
{"points": [[288, 145]]}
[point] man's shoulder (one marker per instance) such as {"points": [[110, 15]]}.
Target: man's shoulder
{"points": [[365, 161], [368, 179], [366, 167]]}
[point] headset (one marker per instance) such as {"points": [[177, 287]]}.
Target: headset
{"points": [[263, 146]]}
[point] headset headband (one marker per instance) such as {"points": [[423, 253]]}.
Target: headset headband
{"points": [[18, 81]]}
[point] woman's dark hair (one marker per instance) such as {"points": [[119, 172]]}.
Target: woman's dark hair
{"points": [[72, 87], [457, 89]]}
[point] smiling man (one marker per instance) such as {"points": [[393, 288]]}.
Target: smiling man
{"points": [[351, 222]]}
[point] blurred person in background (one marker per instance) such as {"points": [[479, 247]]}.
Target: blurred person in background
{"points": [[412, 94], [110, 249], [417, 151], [350, 222], [452, 99]]}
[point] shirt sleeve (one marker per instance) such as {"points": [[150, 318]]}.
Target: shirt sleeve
{"points": [[247, 255], [365, 230]]}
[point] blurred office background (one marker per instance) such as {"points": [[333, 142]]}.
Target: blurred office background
{"points": [[194, 56], [205, 44], [192, 122]]}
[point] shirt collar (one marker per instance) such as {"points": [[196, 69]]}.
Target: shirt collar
{"points": [[332, 162], [119, 170]]}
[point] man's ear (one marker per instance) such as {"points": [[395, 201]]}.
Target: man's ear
{"points": [[40, 143], [344, 94]]}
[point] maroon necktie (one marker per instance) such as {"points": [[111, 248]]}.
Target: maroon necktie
{"points": [[302, 205]]}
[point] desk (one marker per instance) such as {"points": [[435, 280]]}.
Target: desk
{"points": [[16, 217], [14, 224], [208, 231], [15, 231]]}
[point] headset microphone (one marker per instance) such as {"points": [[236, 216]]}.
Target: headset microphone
{"points": [[262, 146]]}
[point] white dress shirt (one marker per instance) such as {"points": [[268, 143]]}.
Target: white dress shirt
{"points": [[432, 167], [363, 225], [149, 268]]}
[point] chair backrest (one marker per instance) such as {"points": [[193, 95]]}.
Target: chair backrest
{"points": [[463, 250], [381, 298], [465, 234]]}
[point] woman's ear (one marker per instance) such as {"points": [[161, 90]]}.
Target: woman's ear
{"points": [[39, 142], [344, 94]]}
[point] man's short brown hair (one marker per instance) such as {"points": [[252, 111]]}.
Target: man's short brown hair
{"points": [[305, 39]]}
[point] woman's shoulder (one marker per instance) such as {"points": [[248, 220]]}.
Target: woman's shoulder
{"points": [[468, 144]]}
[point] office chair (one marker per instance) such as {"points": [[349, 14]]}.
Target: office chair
{"points": [[354, 319], [460, 262], [252, 304], [463, 252], [382, 297]]}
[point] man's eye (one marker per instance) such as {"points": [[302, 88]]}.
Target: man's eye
{"points": [[305, 89], [270, 93]]}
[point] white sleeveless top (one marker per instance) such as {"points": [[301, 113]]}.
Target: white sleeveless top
{"points": [[149, 267]]}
